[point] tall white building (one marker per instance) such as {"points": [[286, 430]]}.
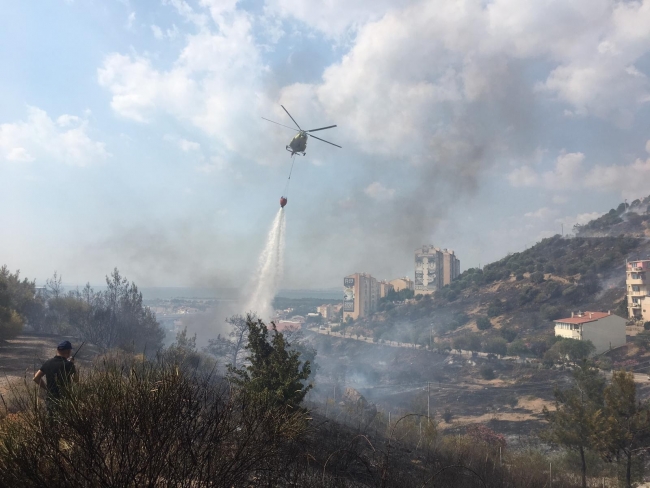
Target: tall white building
{"points": [[638, 290], [434, 268], [361, 295]]}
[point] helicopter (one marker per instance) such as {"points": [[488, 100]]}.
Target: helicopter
{"points": [[298, 144]]}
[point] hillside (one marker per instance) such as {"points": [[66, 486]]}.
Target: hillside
{"points": [[628, 219], [515, 299]]}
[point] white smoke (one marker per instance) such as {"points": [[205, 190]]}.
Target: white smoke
{"points": [[265, 283]]}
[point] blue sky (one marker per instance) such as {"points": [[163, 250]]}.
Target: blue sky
{"points": [[131, 132]]}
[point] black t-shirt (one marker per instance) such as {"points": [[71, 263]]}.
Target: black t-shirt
{"points": [[58, 371]]}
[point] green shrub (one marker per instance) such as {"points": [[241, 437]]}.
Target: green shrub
{"points": [[483, 323], [517, 348], [496, 345], [487, 373], [508, 334]]}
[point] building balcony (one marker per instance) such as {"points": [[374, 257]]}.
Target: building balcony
{"points": [[634, 305], [636, 281], [640, 293]]}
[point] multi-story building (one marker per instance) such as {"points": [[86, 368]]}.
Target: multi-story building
{"points": [[638, 289], [450, 266], [604, 330], [428, 269], [400, 284], [434, 268], [361, 295], [384, 288], [326, 311]]}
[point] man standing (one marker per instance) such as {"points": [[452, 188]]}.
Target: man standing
{"points": [[58, 372]]}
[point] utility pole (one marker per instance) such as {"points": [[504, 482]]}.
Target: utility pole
{"points": [[428, 400]]}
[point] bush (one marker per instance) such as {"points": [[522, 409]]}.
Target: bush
{"points": [[483, 323], [469, 342], [496, 345], [572, 349], [149, 424], [487, 373], [508, 334], [642, 340], [11, 324], [447, 415], [646, 325], [496, 308], [517, 348], [537, 277]]}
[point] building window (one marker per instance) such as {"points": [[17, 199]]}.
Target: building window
{"points": [[636, 288]]}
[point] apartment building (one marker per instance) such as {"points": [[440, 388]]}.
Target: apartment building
{"points": [[434, 268], [638, 290], [361, 295]]}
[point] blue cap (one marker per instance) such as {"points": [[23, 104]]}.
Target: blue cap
{"points": [[64, 345]]}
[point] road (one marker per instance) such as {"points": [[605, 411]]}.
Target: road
{"points": [[638, 377]]}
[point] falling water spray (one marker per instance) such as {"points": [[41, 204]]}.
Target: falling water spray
{"points": [[271, 264]]}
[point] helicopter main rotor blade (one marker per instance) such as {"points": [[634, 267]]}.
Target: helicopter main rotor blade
{"points": [[290, 116], [310, 135], [322, 128], [269, 120]]}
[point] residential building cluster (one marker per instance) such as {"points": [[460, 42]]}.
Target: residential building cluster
{"points": [[434, 268], [607, 331]]}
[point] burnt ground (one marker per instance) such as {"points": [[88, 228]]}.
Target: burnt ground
{"points": [[396, 380]]}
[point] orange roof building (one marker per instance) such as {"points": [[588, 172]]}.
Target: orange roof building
{"points": [[604, 330]]}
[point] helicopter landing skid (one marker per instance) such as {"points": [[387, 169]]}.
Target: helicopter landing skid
{"points": [[288, 148]]}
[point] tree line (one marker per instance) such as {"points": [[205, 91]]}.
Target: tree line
{"points": [[111, 317]]}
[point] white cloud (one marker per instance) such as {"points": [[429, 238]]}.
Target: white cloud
{"points": [[185, 10], [157, 32], [183, 144], [130, 20], [334, 17], [568, 167], [378, 191], [219, 7], [214, 84], [559, 199], [542, 213], [524, 176], [591, 46], [65, 140], [19, 154], [631, 180]]}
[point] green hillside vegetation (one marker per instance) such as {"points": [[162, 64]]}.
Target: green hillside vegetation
{"points": [[510, 304], [630, 219]]}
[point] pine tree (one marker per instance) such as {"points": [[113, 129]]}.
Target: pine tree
{"points": [[577, 414], [626, 427], [273, 369]]}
